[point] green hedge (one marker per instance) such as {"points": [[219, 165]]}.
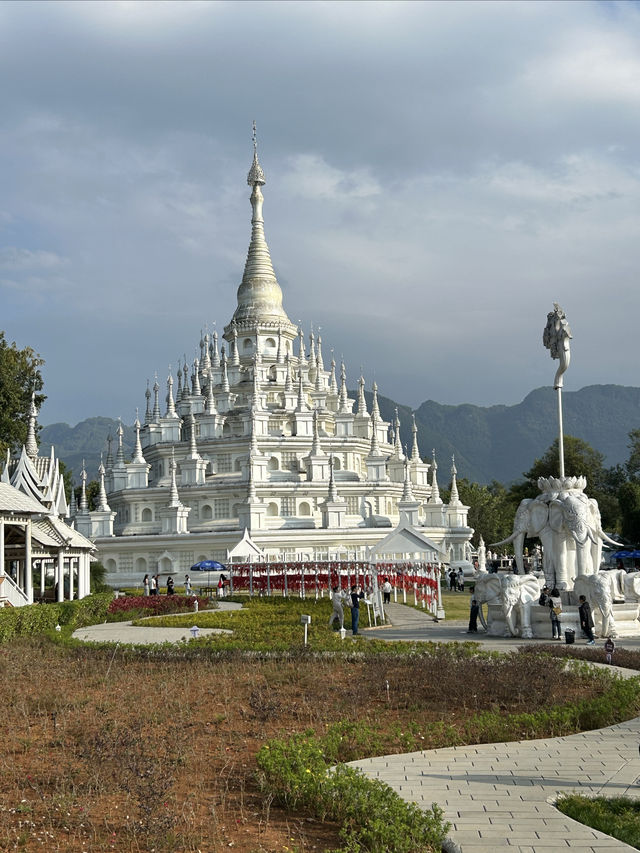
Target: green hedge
{"points": [[373, 817], [37, 619]]}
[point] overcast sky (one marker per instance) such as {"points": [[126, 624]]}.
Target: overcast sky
{"points": [[438, 174]]}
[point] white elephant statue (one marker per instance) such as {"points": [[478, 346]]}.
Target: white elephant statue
{"points": [[515, 593], [599, 590], [568, 524]]}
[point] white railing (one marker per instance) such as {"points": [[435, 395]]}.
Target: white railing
{"points": [[10, 593]]}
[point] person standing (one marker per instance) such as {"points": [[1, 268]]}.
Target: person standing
{"points": [[386, 592], [356, 595], [145, 584], [473, 617], [609, 648], [555, 609], [460, 579], [586, 620], [338, 610], [153, 585], [187, 585], [170, 585]]}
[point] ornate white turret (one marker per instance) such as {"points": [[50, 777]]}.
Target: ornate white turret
{"points": [[179, 391], [435, 491], [415, 453], [119, 477], [103, 506], [196, 390], [193, 467], [302, 356], [407, 503], [137, 452], [174, 516], [156, 401], [84, 506], [455, 497], [317, 462], [362, 421], [205, 359], [234, 358], [319, 360], [333, 509], [362, 403], [215, 355], [333, 385]]}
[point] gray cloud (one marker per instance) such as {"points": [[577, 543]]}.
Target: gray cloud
{"points": [[437, 175]]}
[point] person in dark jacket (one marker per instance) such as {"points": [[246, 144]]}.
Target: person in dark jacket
{"points": [[586, 620], [473, 617], [170, 585], [356, 595]]}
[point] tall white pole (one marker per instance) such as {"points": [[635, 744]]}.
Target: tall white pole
{"points": [[560, 436]]}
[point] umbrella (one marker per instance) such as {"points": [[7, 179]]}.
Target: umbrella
{"points": [[208, 566]]}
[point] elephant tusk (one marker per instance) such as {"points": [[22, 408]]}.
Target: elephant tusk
{"points": [[504, 541], [608, 539]]}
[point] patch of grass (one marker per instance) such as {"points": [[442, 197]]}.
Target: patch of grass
{"points": [[618, 816]]}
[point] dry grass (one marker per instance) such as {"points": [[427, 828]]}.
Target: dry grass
{"points": [[108, 752]]}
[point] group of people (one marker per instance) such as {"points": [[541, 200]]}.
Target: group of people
{"points": [[151, 585], [552, 600], [456, 580]]}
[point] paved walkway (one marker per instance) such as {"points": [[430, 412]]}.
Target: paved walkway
{"points": [[499, 796], [125, 632]]}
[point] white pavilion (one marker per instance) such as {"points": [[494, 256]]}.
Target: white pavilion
{"points": [[33, 532], [259, 453]]}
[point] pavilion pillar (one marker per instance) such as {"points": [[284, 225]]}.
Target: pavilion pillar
{"points": [[42, 577], [2, 591], [28, 572], [60, 576], [71, 579]]}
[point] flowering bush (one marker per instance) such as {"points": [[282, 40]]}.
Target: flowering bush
{"points": [[132, 606]]}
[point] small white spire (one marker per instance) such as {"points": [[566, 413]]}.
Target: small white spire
{"points": [[301, 405], [234, 358], [256, 403], [31, 445], [185, 379], [103, 506], [415, 453], [171, 406], [319, 356], [215, 356], [375, 447], [109, 456], [333, 385], [435, 491], [84, 506], [174, 497], [156, 401], [147, 413], [205, 360], [407, 492], [211, 400], [196, 390], [362, 403], [319, 377], [343, 407], [316, 450], [333, 492], [179, 391], [193, 447], [455, 497], [374, 403], [73, 504], [398, 442], [120, 451], [279, 357], [225, 375], [302, 356], [288, 384], [137, 453]]}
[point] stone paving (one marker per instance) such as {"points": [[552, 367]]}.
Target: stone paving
{"points": [[500, 796]]}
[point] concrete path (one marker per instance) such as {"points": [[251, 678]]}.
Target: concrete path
{"points": [[499, 797], [125, 632]]}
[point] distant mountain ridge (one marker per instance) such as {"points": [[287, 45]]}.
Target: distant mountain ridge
{"points": [[489, 443]]}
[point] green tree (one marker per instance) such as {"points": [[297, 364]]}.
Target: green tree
{"points": [[19, 378], [629, 497], [580, 459], [632, 466], [490, 511]]}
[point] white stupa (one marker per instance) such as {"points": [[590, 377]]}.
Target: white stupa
{"points": [[260, 452]]}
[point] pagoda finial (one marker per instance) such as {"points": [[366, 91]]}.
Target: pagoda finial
{"points": [[288, 384], [316, 450], [319, 377], [215, 355], [234, 357], [211, 400], [225, 375], [301, 405], [31, 445], [375, 447], [185, 379], [319, 356], [109, 456], [256, 175], [398, 442], [374, 403], [256, 402], [196, 390], [333, 385], [279, 356], [302, 356]]}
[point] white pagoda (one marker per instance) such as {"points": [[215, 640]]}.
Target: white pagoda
{"points": [[259, 453]]}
